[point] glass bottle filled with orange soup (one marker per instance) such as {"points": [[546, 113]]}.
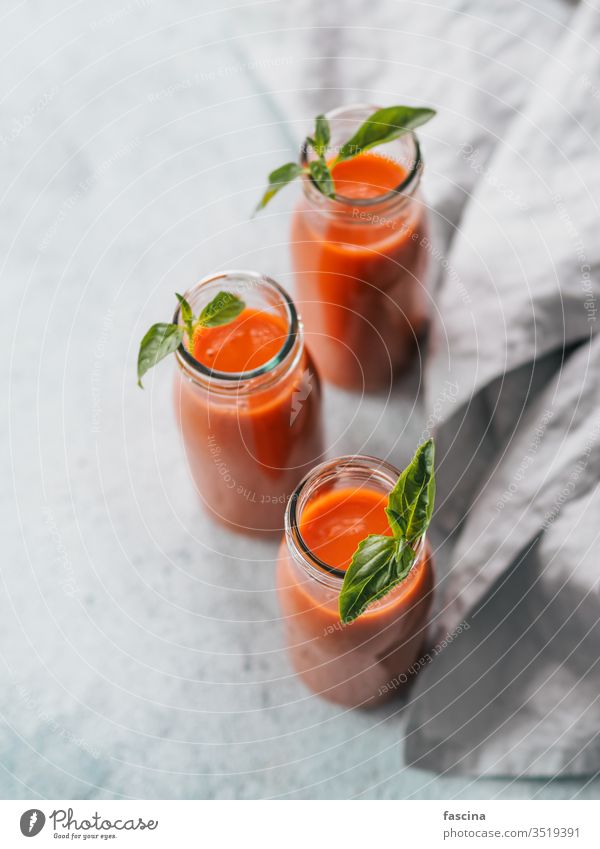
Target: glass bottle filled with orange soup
{"points": [[361, 259], [248, 402], [361, 663]]}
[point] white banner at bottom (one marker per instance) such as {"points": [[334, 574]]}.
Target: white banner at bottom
{"points": [[300, 824]]}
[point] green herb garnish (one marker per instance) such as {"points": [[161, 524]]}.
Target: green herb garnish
{"points": [[383, 126], [162, 339], [381, 562]]}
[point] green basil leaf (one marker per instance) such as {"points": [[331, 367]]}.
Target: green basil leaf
{"points": [[279, 178], [384, 126], [379, 564], [187, 316], [410, 504], [322, 177], [223, 308], [160, 341], [322, 135]]}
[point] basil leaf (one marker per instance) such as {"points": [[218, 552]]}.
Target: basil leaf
{"points": [[384, 126], [187, 316], [279, 178], [160, 341], [379, 564], [223, 308], [322, 177], [322, 135], [410, 504]]}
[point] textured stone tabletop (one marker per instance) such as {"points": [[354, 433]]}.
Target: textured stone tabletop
{"points": [[141, 650]]}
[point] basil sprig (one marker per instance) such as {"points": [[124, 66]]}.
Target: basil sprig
{"points": [[381, 562], [163, 339], [383, 126]]}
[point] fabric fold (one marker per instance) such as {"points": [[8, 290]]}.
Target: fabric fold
{"points": [[519, 461]]}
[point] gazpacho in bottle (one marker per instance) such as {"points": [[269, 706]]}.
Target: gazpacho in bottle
{"points": [[355, 582], [247, 397], [360, 258]]}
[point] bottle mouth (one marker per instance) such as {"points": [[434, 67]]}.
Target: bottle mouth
{"points": [[242, 283], [413, 173], [365, 471]]}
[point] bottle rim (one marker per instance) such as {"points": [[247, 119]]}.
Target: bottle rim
{"points": [[228, 379], [378, 469], [399, 192]]}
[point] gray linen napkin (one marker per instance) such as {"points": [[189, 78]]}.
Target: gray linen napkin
{"points": [[517, 693]]}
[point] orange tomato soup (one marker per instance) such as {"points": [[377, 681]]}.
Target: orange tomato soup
{"points": [[246, 343], [333, 525], [249, 442]]}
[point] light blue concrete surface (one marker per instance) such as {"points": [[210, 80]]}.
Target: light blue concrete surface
{"points": [[140, 647]]}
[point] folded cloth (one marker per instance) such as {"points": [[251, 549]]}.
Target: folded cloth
{"points": [[518, 691], [515, 690]]}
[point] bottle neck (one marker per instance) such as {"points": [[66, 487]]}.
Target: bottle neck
{"points": [[260, 293], [405, 151], [353, 471]]}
